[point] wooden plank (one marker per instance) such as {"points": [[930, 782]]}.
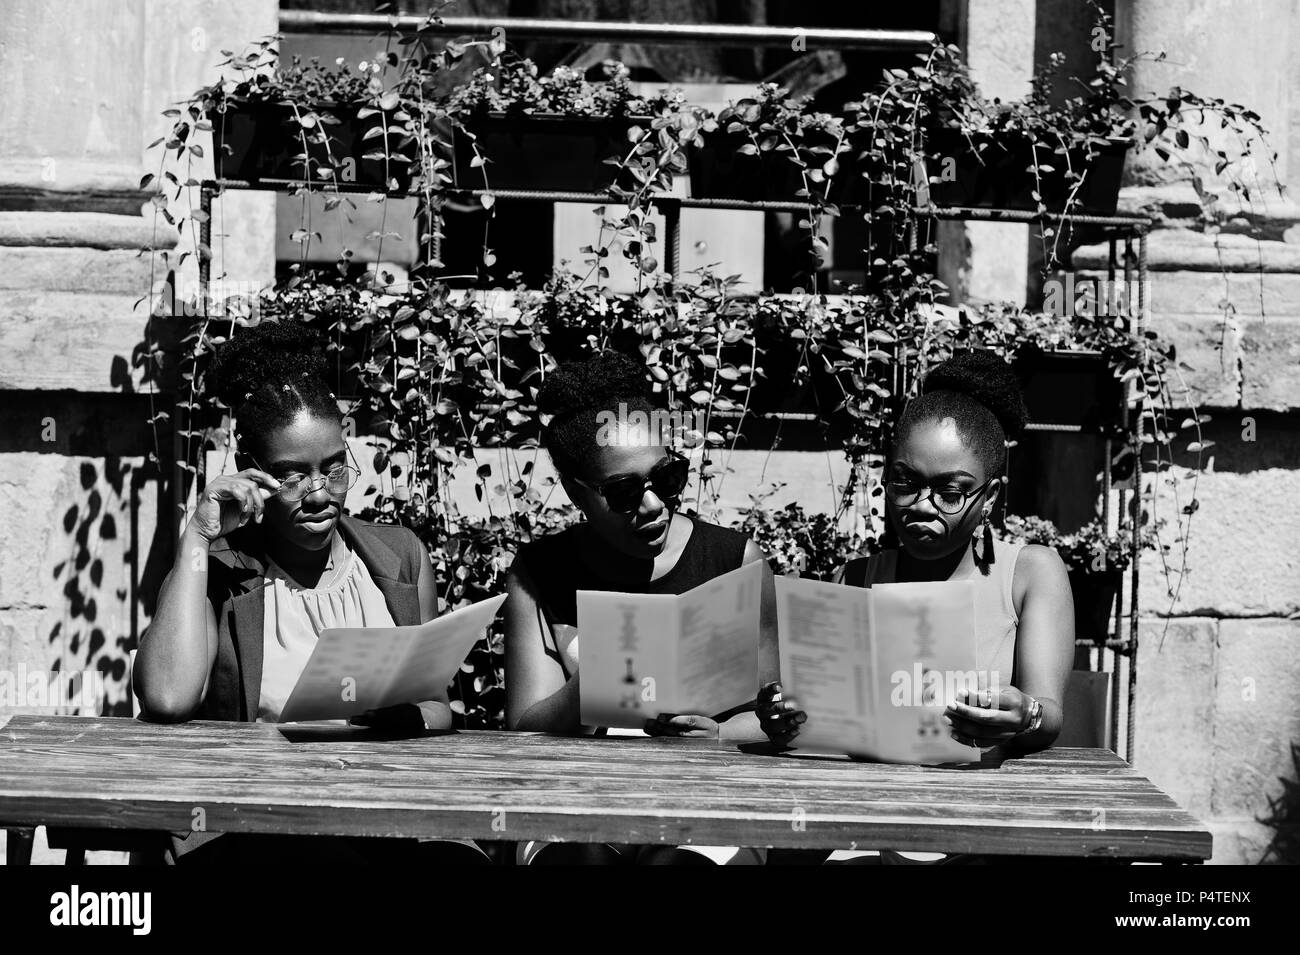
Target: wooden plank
{"points": [[596, 794], [113, 733], [560, 824], [195, 772], [45, 761], [262, 778], [355, 753], [287, 778]]}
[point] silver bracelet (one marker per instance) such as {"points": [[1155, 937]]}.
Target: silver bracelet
{"points": [[1035, 716]]}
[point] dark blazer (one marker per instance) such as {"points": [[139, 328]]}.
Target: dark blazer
{"points": [[236, 569]]}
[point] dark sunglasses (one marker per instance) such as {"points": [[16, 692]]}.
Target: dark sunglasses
{"points": [[667, 479]]}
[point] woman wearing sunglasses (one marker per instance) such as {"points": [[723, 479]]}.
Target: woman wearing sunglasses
{"points": [[944, 474], [627, 483], [269, 560]]}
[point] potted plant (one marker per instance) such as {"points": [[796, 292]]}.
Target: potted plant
{"points": [[775, 148], [1027, 155], [799, 544], [517, 129], [1095, 560], [310, 123], [1035, 154]]}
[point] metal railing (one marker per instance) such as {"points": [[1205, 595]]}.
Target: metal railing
{"points": [[308, 21]]}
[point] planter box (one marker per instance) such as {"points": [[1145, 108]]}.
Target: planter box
{"points": [[1070, 388], [720, 171], [988, 173], [544, 152], [1094, 602], [264, 143]]}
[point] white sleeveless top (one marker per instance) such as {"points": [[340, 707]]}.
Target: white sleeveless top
{"points": [[995, 640], [294, 616], [995, 610]]}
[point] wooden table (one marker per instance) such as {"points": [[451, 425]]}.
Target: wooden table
{"points": [[253, 777]]}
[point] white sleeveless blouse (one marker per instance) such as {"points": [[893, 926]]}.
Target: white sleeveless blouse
{"points": [[996, 619], [294, 616]]}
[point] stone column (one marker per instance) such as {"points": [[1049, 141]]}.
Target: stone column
{"points": [[81, 89], [1215, 698], [1237, 50]]}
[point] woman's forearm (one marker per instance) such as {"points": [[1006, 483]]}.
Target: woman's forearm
{"points": [[558, 713], [742, 726], [173, 661]]}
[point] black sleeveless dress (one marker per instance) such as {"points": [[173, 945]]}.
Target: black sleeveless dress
{"points": [[553, 564], [558, 573]]}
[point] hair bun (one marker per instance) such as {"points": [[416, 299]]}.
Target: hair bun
{"points": [[271, 353], [604, 378], [986, 378]]}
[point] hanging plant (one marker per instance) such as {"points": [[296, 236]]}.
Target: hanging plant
{"points": [[773, 147], [519, 129], [1046, 157], [341, 125]]}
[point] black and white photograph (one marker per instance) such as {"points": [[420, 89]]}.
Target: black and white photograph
{"points": [[443, 436]]}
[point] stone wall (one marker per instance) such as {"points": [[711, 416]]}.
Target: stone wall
{"points": [[86, 540], [1219, 666]]}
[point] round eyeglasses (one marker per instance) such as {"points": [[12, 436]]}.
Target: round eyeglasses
{"points": [[295, 487], [947, 500], [338, 481]]}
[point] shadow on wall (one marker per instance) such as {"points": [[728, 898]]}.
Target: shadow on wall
{"points": [[94, 501], [1284, 818], [86, 638]]}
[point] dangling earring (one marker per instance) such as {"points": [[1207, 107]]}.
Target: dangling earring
{"points": [[984, 536]]}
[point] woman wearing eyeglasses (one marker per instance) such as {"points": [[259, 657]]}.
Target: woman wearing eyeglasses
{"points": [[627, 483], [946, 469], [945, 473], [269, 559]]}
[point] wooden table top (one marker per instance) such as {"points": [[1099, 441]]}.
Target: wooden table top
{"points": [[257, 777]]}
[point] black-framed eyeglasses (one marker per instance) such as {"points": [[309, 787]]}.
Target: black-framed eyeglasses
{"points": [[338, 480], [946, 500], [667, 479]]}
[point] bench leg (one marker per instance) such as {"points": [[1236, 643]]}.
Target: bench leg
{"points": [[75, 857], [19, 846]]}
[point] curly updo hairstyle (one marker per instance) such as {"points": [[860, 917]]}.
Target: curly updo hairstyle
{"points": [[267, 375], [575, 393], [981, 393]]}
